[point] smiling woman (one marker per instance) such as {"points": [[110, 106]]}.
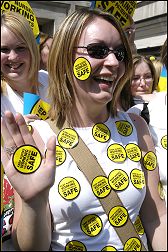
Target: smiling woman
{"points": [[57, 207], [19, 73]]}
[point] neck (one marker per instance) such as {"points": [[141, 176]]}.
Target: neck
{"points": [[80, 117], [20, 88]]}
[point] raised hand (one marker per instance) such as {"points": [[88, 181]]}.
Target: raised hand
{"points": [[15, 133]]}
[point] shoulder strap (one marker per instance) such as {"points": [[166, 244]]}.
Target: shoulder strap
{"points": [[93, 170]]}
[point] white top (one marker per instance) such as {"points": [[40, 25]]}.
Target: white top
{"points": [[13, 102], [69, 213], [158, 128]]}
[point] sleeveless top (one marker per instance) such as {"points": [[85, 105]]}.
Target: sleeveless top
{"points": [[79, 221]]}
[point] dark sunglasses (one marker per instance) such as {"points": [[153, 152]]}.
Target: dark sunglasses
{"points": [[100, 51]]}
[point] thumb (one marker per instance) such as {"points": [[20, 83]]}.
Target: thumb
{"points": [[51, 151]]}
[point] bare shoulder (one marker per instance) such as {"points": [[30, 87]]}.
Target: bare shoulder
{"points": [[144, 136]]}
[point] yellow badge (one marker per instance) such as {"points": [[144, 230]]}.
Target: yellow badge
{"points": [[133, 152], [138, 226], [68, 138], [24, 9], [26, 159], [118, 216], [119, 9], [132, 244], [82, 69], [109, 248], [75, 246], [138, 178], [118, 180], [91, 225], [69, 188], [41, 109], [60, 155], [124, 128], [164, 142], [101, 187], [116, 153], [150, 161], [101, 133], [161, 190]]}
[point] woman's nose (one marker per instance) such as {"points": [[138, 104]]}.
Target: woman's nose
{"points": [[12, 54], [111, 60]]}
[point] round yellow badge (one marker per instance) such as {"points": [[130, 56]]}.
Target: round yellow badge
{"points": [[100, 186], [133, 152], [138, 178], [82, 69], [164, 142], [138, 226], [41, 109], [150, 161], [118, 216], [101, 133], [26, 159], [75, 246], [69, 188], [116, 153], [60, 155], [109, 248], [132, 244], [124, 128], [91, 225], [118, 179], [68, 138]]}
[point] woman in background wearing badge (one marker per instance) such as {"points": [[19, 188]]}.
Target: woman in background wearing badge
{"points": [[57, 206], [20, 73]]}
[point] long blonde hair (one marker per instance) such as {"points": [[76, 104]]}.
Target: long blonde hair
{"points": [[60, 63], [17, 24]]}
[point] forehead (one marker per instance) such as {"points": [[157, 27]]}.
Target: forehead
{"points": [[142, 67], [101, 29], [7, 36]]}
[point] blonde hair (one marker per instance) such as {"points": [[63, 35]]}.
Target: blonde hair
{"points": [[158, 68], [17, 24], [60, 63]]}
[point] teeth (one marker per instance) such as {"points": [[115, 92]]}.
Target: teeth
{"points": [[106, 78], [14, 65]]}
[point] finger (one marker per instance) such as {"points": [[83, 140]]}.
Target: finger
{"points": [[26, 135], [12, 129], [30, 118], [50, 153]]}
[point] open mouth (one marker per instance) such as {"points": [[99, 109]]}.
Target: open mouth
{"points": [[14, 66], [104, 79]]}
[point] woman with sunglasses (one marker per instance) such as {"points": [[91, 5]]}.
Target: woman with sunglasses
{"points": [[89, 63]]}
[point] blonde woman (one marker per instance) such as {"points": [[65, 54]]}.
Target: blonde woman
{"points": [[44, 215]]}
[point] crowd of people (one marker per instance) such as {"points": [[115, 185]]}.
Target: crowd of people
{"points": [[116, 111]]}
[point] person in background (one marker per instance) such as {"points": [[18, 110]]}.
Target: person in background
{"points": [[143, 86], [20, 61], [158, 128], [45, 44], [44, 216]]}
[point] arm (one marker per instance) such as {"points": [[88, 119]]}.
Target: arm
{"points": [[153, 211], [32, 218]]}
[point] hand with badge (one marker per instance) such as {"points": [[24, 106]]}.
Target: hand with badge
{"points": [[23, 163]]}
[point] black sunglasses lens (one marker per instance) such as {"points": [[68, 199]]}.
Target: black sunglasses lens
{"points": [[120, 54], [97, 51]]}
